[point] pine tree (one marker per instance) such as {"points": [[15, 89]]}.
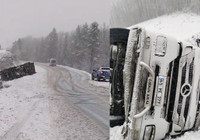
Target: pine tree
{"points": [[52, 40], [94, 43]]}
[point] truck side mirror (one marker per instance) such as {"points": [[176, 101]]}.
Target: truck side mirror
{"points": [[113, 54], [198, 42]]}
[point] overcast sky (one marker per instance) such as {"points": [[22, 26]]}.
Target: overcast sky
{"points": [[20, 18]]}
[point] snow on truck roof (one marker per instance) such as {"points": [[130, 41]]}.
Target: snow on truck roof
{"points": [[182, 26]]}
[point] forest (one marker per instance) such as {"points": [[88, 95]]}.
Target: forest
{"points": [[85, 48]]}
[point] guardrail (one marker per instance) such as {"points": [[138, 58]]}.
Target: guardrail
{"points": [[17, 71]]}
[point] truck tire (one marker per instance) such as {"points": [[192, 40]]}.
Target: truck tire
{"points": [[118, 35]]}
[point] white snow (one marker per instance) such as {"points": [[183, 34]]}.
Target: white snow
{"points": [[100, 83], [17, 100], [115, 133], [190, 136]]}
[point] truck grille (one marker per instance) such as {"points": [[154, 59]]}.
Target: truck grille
{"points": [[172, 89], [183, 90], [191, 72], [182, 82]]}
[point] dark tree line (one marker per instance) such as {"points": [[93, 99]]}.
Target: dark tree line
{"points": [[125, 13], [85, 48]]}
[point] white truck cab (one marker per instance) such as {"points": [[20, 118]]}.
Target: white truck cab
{"points": [[161, 84]]}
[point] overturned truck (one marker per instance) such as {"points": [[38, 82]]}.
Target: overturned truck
{"points": [[17, 71], [155, 84]]}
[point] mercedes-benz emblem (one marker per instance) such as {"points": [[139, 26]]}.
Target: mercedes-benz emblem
{"points": [[185, 89]]}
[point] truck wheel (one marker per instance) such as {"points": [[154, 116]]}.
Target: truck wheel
{"points": [[118, 35]]}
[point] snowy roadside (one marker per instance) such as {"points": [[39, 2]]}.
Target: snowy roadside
{"points": [[87, 76], [29, 109], [100, 83], [115, 133], [190, 136], [17, 100]]}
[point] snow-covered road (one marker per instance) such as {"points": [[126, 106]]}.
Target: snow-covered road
{"points": [[55, 103]]}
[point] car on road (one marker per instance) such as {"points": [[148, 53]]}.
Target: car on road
{"points": [[102, 73], [155, 84], [52, 62]]}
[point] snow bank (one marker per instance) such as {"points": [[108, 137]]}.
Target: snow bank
{"points": [[87, 76], [190, 136], [115, 133], [100, 83]]}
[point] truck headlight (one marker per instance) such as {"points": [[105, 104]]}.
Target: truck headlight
{"points": [[161, 46], [149, 133]]}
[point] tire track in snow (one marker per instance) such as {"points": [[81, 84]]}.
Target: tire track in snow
{"points": [[14, 131]]}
